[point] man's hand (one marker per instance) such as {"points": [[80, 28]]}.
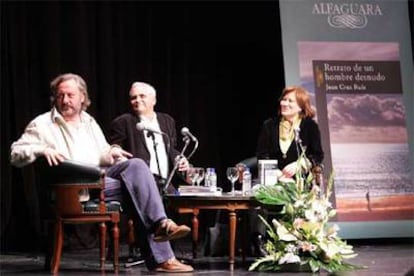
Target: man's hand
{"points": [[117, 154], [183, 164], [53, 157]]}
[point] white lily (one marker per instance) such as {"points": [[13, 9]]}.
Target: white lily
{"points": [[289, 258]]}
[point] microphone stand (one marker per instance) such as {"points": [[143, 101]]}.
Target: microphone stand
{"points": [[176, 161], [161, 179], [298, 143], [194, 149], [299, 147]]}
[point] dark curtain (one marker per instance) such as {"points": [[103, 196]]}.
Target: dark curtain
{"points": [[217, 67]]}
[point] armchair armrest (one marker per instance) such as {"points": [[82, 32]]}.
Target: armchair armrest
{"points": [[68, 172], [68, 181]]}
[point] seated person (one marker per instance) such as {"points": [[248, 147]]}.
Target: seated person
{"points": [[286, 136], [68, 132], [292, 132], [162, 155]]}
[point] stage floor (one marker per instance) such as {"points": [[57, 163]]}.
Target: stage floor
{"points": [[381, 257]]}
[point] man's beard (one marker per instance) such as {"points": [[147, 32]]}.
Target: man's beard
{"points": [[68, 111]]}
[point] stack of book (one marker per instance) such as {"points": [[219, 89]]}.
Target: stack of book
{"points": [[197, 191]]}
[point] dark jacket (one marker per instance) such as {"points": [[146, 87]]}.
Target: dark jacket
{"points": [[268, 146], [123, 131]]}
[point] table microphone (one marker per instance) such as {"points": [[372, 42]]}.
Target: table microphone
{"points": [[141, 126], [186, 132]]}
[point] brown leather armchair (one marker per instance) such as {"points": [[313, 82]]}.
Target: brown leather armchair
{"points": [[63, 185]]}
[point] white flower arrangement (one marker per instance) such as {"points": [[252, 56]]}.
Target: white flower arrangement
{"points": [[301, 235]]}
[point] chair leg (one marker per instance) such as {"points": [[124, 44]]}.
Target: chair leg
{"points": [[48, 239], [134, 256], [131, 238], [48, 258], [57, 248], [115, 236], [102, 244], [195, 224], [243, 220]]}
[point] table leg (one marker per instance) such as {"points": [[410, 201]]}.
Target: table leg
{"points": [[244, 234], [232, 238], [195, 232]]}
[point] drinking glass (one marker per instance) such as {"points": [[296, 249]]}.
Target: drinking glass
{"points": [[192, 174], [201, 174], [232, 175]]}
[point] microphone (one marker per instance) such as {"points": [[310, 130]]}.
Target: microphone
{"points": [[186, 132], [141, 126]]}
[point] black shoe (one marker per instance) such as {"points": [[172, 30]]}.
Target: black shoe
{"points": [[258, 245], [134, 261], [135, 258]]}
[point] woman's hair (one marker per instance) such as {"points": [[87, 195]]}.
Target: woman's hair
{"points": [[80, 82], [303, 100]]}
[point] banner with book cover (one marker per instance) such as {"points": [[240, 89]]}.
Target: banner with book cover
{"points": [[355, 59]]}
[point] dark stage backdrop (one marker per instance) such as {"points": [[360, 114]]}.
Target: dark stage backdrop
{"points": [[217, 67]]}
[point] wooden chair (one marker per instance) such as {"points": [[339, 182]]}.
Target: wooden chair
{"points": [[194, 228], [194, 220], [65, 184]]}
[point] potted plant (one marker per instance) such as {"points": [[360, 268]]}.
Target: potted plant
{"points": [[301, 238]]}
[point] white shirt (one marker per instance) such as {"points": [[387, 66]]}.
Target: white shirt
{"points": [[161, 153], [85, 143]]}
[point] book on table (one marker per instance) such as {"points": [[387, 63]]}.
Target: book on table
{"points": [[198, 190]]}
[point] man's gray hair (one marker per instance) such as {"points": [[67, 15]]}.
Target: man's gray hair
{"points": [[144, 86]]}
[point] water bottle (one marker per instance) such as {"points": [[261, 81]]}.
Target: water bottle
{"points": [[247, 181], [211, 179]]}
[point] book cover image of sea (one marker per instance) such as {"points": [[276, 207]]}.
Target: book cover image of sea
{"points": [[198, 191]]}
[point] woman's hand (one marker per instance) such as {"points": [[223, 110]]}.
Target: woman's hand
{"points": [[290, 170]]}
